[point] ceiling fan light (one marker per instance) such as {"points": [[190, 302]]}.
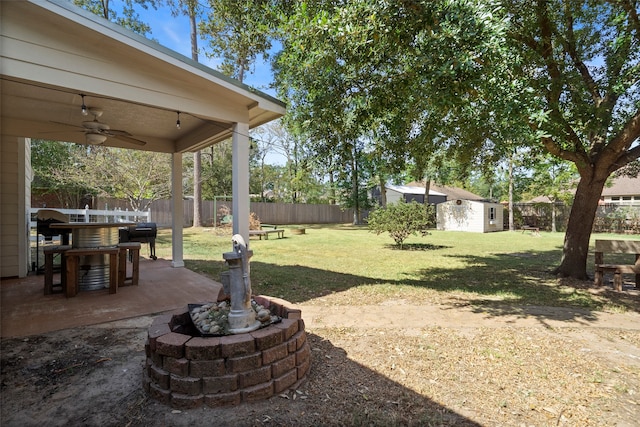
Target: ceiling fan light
{"points": [[95, 138], [83, 109]]}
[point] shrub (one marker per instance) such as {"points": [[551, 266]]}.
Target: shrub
{"points": [[401, 220]]}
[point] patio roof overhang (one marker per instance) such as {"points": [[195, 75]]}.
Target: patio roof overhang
{"points": [[54, 52]]}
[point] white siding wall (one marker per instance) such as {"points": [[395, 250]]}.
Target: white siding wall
{"points": [[622, 200], [497, 223], [15, 196], [468, 216], [393, 196], [476, 216]]}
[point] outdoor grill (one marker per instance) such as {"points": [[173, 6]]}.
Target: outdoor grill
{"points": [[143, 232], [44, 218]]}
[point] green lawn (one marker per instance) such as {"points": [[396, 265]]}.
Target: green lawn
{"points": [[347, 265]]}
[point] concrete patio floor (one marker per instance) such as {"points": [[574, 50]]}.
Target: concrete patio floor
{"points": [[27, 311]]}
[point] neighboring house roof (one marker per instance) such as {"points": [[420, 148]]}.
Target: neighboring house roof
{"points": [[623, 186], [408, 189], [482, 202], [450, 192]]}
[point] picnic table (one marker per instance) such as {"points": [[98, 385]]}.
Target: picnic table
{"points": [[272, 229], [534, 230]]}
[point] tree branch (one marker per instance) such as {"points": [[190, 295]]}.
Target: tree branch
{"points": [[570, 47], [545, 49], [555, 149], [628, 134], [620, 145], [626, 158]]}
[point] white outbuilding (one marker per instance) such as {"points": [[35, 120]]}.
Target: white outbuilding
{"points": [[469, 215]]}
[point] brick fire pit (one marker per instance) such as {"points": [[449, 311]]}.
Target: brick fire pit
{"points": [[186, 371]]}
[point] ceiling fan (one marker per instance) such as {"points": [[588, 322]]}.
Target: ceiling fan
{"points": [[97, 132]]}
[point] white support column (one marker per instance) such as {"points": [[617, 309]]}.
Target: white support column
{"points": [[240, 184], [177, 211]]}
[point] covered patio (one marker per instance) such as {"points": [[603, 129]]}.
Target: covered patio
{"points": [[79, 78], [26, 311]]}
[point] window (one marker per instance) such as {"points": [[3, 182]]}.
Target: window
{"points": [[492, 214]]}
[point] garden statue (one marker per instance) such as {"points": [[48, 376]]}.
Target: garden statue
{"points": [[242, 317]]}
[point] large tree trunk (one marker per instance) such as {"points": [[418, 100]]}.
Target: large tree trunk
{"points": [[356, 211], [511, 223], [197, 156], [383, 191], [197, 189], [427, 188], [576, 239], [332, 189]]}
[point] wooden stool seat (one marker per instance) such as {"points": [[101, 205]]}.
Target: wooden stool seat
{"points": [[134, 256], [73, 256], [49, 254]]}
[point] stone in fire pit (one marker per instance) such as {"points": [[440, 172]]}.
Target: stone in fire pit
{"points": [[212, 319]]}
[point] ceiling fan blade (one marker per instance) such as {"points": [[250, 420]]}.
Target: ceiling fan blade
{"points": [[52, 132], [119, 132], [67, 124], [97, 127], [128, 139]]}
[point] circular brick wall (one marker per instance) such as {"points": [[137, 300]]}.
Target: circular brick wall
{"points": [[186, 371]]}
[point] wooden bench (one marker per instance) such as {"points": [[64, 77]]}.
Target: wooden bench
{"points": [[133, 250], [265, 233], [534, 230], [49, 253], [616, 247], [73, 257]]}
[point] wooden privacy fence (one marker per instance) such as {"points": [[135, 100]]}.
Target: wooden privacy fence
{"points": [[270, 213], [297, 213], [610, 218]]}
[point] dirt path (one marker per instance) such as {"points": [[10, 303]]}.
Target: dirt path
{"points": [[391, 364], [400, 314]]}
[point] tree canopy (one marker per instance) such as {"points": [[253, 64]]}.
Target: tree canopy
{"points": [[136, 176], [421, 83], [583, 64], [238, 32], [408, 71], [127, 18], [470, 79]]}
